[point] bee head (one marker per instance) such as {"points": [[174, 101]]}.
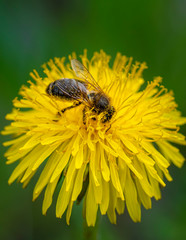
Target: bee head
{"points": [[101, 104], [99, 101]]}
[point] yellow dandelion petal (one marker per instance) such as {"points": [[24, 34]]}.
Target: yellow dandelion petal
{"points": [[49, 195], [63, 199], [91, 205], [78, 183], [171, 153], [93, 166], [144, 183], [120, 206], [79, 157], [69, 211], [144, 198], [105, 197], [112, 204], [95, 135], [62, 163], [104, 165], [133, 205], [70, 174], [115, 178], [47, 171]]}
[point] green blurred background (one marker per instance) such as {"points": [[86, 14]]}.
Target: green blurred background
{"points": [[32, 32]]}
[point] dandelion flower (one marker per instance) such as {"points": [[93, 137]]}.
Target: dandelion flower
{"points": [[107, 165]]}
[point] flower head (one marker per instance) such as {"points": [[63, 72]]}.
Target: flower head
{"points": [[107, 164]]}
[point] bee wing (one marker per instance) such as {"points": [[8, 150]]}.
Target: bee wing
{"points": [[82, 72], [82, 97]]}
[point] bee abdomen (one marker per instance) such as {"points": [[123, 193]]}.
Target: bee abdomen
{"points": [[66, 88], [53, 90]]}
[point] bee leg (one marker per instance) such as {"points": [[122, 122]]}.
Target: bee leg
{"points": [[108, 128], [74, 105]]}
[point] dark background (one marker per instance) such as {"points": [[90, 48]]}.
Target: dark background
{"points": [[32, 32]]}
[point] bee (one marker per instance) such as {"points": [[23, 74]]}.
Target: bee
{"points": [[85, 91]]}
